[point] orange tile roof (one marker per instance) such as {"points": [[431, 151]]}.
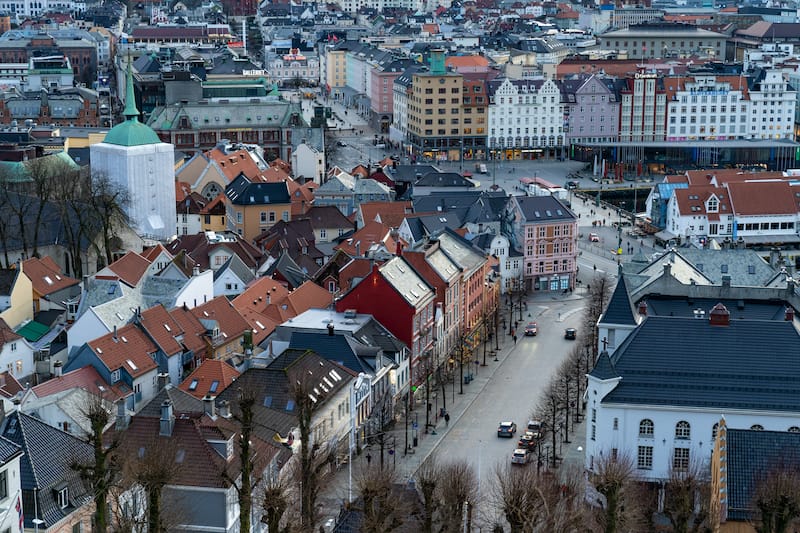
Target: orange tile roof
{"points": [[231, 323], [235, 163], [357, 268], [9, 386], [372, 233], [86, 378], [199, 381], [430, 28], [307, 296], [193, 331], [182, 190], [7, 334], [46, 276], [129, 348], [388, 213], [729, 175], [261, 325], [275, 174], [261, 293], [130, 268], [692, 201], [763, 198], [163, 329], [152, 253]]}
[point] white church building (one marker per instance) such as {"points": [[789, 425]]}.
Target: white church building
{"points": [[133, 157]]}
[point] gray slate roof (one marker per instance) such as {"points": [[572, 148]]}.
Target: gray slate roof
{"points": [[341, 349], [687, 362], [45, 466], [746, 268], [604, 368], [405, 280], [620, 309], [242, 192], [544, 209], [752, 455]]}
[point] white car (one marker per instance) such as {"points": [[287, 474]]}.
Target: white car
{"points": [[521, 457]]}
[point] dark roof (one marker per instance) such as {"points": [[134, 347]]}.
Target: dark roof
{"points": [[7, 277], [620, 309], [688, 362], [752, 455], [337, 348], [182, 403], [327, 216], [544, 209], [237, 266], [241, 192], [46, 465], [604, 368], [288, 269], [410, 173], [443, 179], [685, 307]]}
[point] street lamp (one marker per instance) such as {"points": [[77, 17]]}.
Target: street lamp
{"points": [[619, 230], [357, 385]]}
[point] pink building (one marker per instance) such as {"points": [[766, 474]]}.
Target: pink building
{"points": [[545, 231], [381, 98]]}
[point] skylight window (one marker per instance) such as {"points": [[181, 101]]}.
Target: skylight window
{"points": [[132, 365], [48, 280], [290, 405], [214, 386], [166, 327], [193, 384]]}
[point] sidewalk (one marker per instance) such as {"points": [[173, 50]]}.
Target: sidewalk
{"points": [[335, 488]]}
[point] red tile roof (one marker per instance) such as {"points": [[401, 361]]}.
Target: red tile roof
{"points": [[372, 233], [359, 267], [7, 334], [199, 381], [193, 331], [231, 323], [163, 329], [692, 201], [129, 348], [130, 268], [235, 163], [763, 198], [260, 294], [46, 276], [9, 386], [152, 253], [261, 325], [389, 213], [84, 378]]}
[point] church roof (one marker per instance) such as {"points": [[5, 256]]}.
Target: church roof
{"points": [[131, 132]]}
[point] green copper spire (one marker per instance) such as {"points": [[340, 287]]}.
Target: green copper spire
{"points": [[130, 112]]}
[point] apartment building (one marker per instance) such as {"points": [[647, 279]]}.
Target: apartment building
{"points": [[546, 232], [643, 112]]}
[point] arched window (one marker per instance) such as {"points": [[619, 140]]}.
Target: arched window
{"points": [[714, 431], [794, 429], [683, 430], [646, 428], [757, 427]]}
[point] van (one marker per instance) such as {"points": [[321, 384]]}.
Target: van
{"points": [[482, 168]]}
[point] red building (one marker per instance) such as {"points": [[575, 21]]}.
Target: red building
{"points": [[400, 299]]}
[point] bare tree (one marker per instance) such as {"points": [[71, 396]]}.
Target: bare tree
{"points": [[153, 467], [427, 479], [247, 480], [102, 474], [614, 478], [44, 174], [457, 494], [382, 508], [107, 201], [777, 500], [687, 498], [516, 494], [597, 296], [548, 410], [275, 502], [5, 212]]}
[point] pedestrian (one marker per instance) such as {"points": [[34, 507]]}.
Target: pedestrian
{"points": [[595, 268], [515, 339], [369, 458], [447, 419]]}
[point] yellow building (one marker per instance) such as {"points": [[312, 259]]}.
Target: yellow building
{"points": [[252, 208], [16, 296], [336, 68]]}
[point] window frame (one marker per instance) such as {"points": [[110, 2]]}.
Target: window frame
{"points": [[646, 428]]}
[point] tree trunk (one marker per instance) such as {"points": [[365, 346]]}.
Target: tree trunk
{"points": [[612, 502], [154, 510]]}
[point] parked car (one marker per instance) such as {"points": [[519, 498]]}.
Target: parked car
{"points": [[531, 329], [594, 237], [521, 456], [528, 440], [506, 429], [341, 143], [572, 185], [570, 334], [535, 426]]}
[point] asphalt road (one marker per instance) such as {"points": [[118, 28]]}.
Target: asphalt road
{"points": [[512, 393]]}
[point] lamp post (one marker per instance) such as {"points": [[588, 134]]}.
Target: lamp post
{"points": [[566, 408], [619, 231], [357, 385]]}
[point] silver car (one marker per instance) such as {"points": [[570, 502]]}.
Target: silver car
{"points": [[521, 457]]}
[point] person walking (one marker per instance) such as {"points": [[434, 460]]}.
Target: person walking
{"points": [[446, 419]]}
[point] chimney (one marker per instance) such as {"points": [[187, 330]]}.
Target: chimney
{"points": [[399, 249], [726, 281], [58, 368], [643, 308], [269, 299], [225, 409], [115, 333], [195, 271], [358, 248], [163, 380], [167, 419], [330, 330], [719, 316], [209, 407], [667, 269], [789, 315], [122, 415]]}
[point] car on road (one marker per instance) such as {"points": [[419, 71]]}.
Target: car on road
{"points": [[521, 456], [528, 440], [570, 334], [594, 237], [531, 329], [572, 185], [506, 429], [595, 179], [341, 143]]}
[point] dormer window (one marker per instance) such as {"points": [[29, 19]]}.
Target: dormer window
{"points": [[62, 497], [712, 205]]}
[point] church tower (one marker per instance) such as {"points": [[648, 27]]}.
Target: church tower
{"points": [[133, 157]]}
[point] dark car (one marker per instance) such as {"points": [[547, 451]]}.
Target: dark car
{"points": [[341, 143], [572, 185], [570, 334], [531, 329], [528, 440], [506, 429]]}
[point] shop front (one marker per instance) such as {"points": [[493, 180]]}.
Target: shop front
{"points": [[557, 282]]}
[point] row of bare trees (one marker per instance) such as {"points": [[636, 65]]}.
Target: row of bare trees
{"points": [[88, 209]]}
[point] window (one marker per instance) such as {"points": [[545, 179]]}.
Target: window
{"points": [[714, 431], [3, 484], [683, 430], [794, 429], [594, 415], [77, 528], [115, 376], [594, 432], [193, 384], [63, 497], [646, 428], [272, 216], [214, 386], [680, 459], [644, 458], [756, 427], [616, 423]]}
